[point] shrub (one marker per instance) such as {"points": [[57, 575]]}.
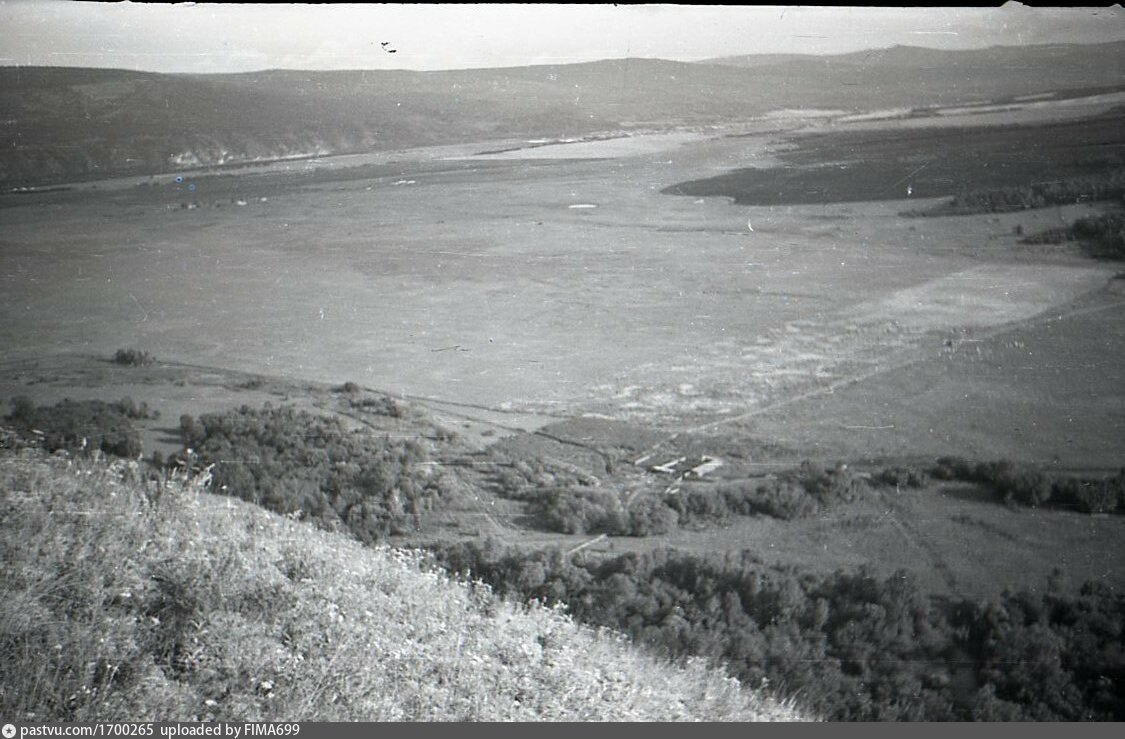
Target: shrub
{"points": [[1102, 236], [133, 410], [837, 484], [192, 433], [380, 405], [582, 511], [1091, 496], [652, 517], [23, 409], [901, 477], [79, 426], [779, 497], [133, 358]]}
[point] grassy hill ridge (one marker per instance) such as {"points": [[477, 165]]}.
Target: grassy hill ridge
{"points": [[128, 599]]}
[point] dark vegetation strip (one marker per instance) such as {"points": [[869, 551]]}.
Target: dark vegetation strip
{"points": [[1016, 485], [295, 462], [1098, 187], [936, 162], [1101, 237]]}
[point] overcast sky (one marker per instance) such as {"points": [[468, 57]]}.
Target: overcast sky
{"points": [[235, 38]]}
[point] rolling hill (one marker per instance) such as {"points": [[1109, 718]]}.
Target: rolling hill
{"points": [[67, 124]]}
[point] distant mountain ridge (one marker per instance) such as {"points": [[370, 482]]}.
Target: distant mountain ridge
{"points": [[910, 56], [67, 124]]}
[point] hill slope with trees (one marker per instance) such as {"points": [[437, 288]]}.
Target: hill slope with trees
{"points": [[131, 598], [73, 124]]}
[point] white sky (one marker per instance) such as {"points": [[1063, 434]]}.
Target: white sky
{"points": [[235, 38]]}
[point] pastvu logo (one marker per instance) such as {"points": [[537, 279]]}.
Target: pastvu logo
{"points": [[9, 731]]}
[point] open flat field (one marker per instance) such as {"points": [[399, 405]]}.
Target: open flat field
{"points": [[516, 288], [481, 282]]}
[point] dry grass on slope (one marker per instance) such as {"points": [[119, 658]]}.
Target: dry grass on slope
{"points": [[129, 600]]}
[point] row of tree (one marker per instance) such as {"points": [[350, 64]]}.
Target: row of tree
{"points": [[1102, 236], [1021, 485], [1101, 187]]}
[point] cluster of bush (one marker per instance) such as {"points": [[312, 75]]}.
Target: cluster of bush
{"points": [[133, 358], [1108, 186], [1019, 485], [83, 426], [518, 478], [563, 499], [706, 505], [380, 405], [587, 510], [792, 494], [1102, 237], [293, 462], [852, 646], [901, 477], [569, 503]]}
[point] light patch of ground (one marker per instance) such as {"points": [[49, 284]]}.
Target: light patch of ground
{"points": [[1005, 114], [1048, 391], [810, 356], [607, 148]]}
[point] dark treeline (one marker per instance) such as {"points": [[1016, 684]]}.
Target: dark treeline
{"points": [[1108, 186], [1101, 237], [295, 462], [850, 646], [1016, 485]]}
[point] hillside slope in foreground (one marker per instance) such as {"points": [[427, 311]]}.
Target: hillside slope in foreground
{"points": [[134, 599]]}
